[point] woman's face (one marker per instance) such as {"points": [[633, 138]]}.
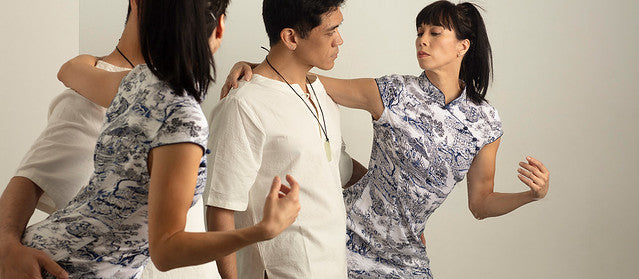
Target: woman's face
{"points": [[438, 48]]}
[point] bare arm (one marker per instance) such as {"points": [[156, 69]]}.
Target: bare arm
{"points": [[353, 93], [97, 85], [359, 93], [220, 219], [484, 202], [173, 177], [358, 172], [17, 204]]}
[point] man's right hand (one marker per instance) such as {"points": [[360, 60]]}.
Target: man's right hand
{"points": [[281, 207], [18, 261]]}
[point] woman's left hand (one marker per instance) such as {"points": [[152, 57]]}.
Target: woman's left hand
{"points": [[534, 174]]}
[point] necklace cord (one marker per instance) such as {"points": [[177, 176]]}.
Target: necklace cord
{"points": [[322, 128], [127, 59]]}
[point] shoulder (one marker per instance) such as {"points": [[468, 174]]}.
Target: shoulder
{"points": [[392, 86], [484, 118]]}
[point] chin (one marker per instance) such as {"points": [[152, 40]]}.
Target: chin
{"points": [[326, 67]]}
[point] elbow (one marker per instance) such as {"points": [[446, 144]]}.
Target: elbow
{"points": [[477, 211], [63, 73], [161, 256], [161, 261]]}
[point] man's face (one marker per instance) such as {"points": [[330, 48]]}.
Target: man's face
{"points": [[319, 49]]}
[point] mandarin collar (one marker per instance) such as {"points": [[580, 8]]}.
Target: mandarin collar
{"points": [[437, 95]]}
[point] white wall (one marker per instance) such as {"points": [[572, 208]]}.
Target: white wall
{"points": [[37, 37], [565, 75]]}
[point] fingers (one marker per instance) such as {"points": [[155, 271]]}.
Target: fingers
{"points": [[295, 187], [52, 267], [533, 169], [275, 187], [247, 72], [535, 175], [537, 164]]}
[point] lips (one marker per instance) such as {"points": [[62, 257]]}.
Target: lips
{"points": [[422, 54]]}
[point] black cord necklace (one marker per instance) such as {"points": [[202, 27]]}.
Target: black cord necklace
{"points": [[327, 144], [127, 59]]}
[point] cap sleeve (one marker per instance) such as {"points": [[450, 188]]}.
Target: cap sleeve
{"points": [[184, 123], [390, 87]]}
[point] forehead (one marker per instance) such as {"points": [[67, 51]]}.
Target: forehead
{"points": [[331, 18]]}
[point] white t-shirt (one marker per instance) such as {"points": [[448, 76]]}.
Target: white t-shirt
{"points": [[262, 130], [60, 161]]}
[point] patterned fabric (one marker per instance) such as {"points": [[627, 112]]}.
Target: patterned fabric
{"points": [[103, 231], [421, 148]]}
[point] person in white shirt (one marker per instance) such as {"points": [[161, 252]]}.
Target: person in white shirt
{"points": [[283, 122], [58, 164]]}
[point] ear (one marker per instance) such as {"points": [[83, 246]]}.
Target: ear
{"points": [[288, 36], [221, 27], [134, 6], [218, 33], [462, 47]]}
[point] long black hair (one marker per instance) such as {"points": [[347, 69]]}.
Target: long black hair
{"points": [[466, 21], [174, 39]]}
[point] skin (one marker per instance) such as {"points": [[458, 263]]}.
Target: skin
{"points": [[173, 170], [439, 53], [293, 57]]}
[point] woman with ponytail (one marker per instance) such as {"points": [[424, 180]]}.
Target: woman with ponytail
{"points": [[430, 131], [150, 164]]}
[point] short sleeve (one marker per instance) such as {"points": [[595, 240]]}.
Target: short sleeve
{"points": [[236, 143], [184, 123], [60, 161], [390, 87], [345, 165], [493, 125]]}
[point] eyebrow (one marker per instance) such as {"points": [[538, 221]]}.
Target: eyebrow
{"points": [[334, 27]]}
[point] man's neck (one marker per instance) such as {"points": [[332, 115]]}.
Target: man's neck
{"points": [[284, 62]]}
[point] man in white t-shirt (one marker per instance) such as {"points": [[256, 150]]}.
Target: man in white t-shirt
{"points": [[283, 122], [58, 164]]}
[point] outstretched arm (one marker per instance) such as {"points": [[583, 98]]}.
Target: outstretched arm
{"points": [[17, 204], [173, 177], [97, 85], [361, 93], [484, 202], [353, 93]]}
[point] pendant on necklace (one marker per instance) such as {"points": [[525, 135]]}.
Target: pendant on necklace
{"points": [[327, 149]]}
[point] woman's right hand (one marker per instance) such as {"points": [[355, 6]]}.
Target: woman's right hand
{"points": [[240, 70], [281, 207]]}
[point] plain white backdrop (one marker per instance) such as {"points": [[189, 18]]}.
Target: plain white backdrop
{"points": [[564, 84]]}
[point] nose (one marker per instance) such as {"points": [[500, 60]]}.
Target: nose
{"points": [[422, 41], [339, 40]]}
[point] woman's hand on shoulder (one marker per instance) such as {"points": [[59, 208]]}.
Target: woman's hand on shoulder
{"points": [[534, 174], [240, 70], [281, 207]]}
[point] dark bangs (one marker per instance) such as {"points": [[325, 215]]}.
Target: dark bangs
{"points": [[440, 13]]}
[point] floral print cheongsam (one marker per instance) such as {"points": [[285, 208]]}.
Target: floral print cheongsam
{"points": [[421, 148], [103, 231]]}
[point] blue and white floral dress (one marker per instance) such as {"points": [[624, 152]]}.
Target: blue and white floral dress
{"points": [[421, 148], [103, 231]]}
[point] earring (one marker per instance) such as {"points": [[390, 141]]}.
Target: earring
{"points": [[458, 54]]}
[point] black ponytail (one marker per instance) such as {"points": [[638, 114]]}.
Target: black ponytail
{"points": [[174, 39], [466, 21]]}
